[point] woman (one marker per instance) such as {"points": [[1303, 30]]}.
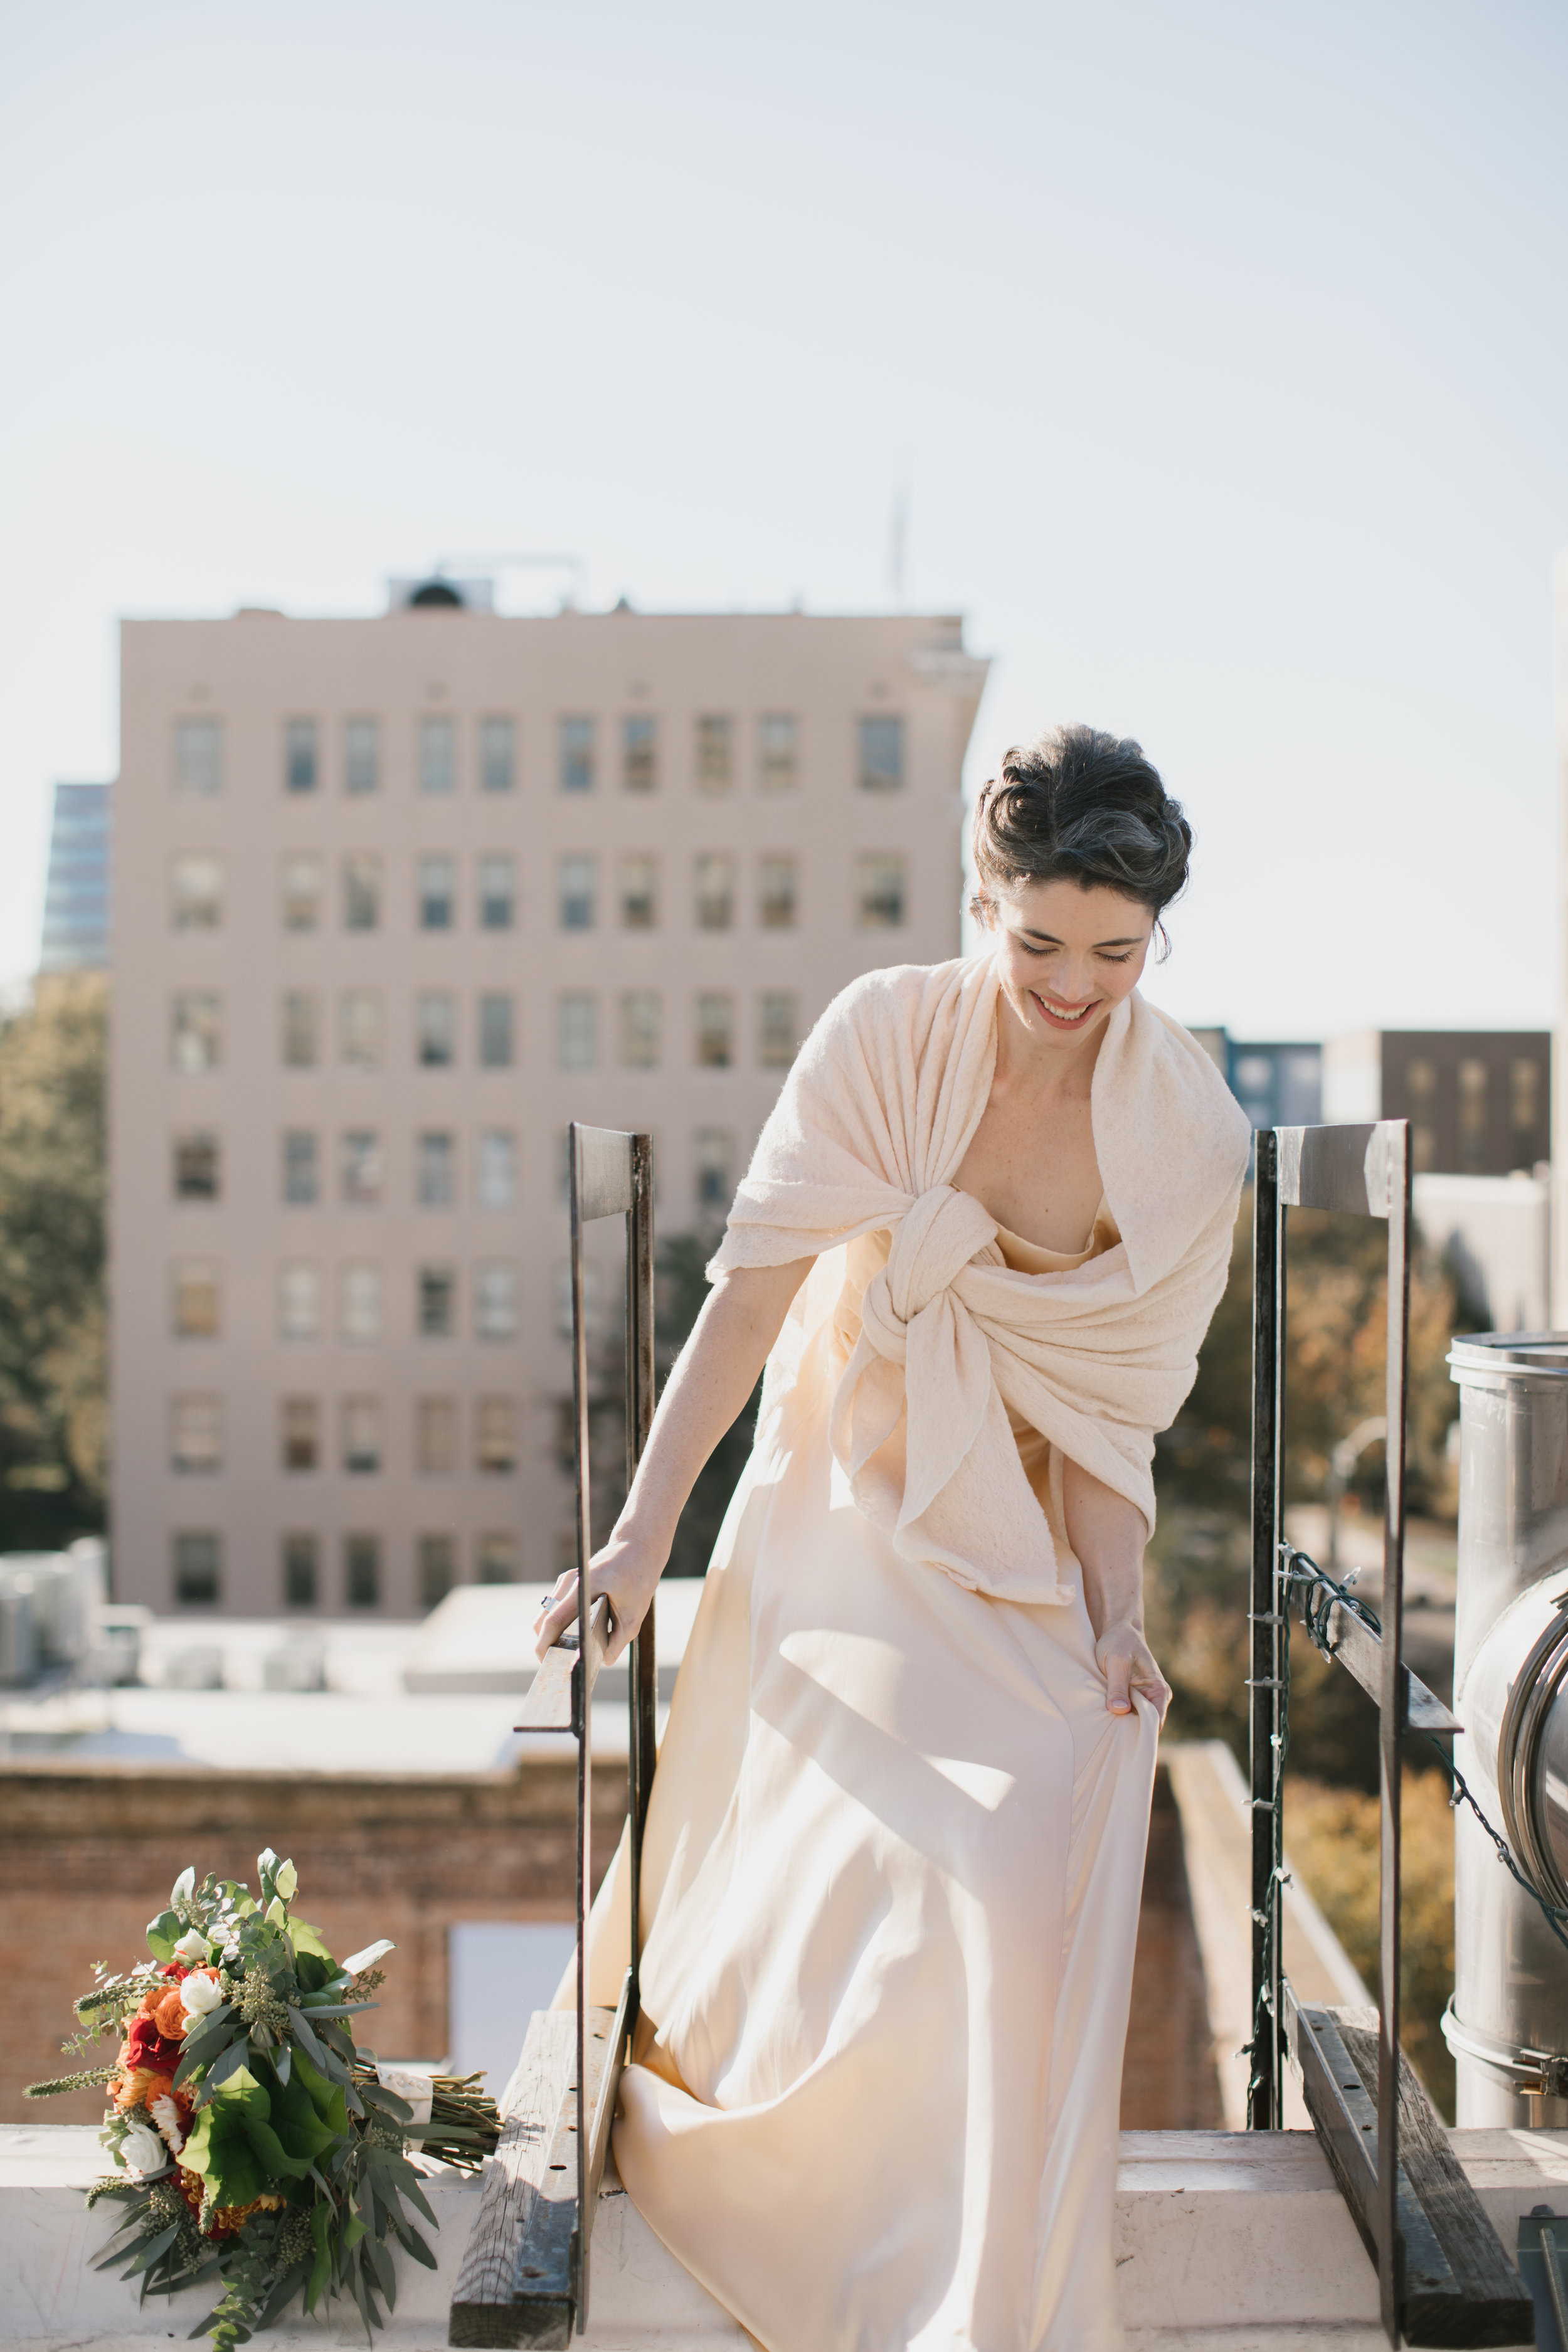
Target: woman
{"points": [[895, 1847]]}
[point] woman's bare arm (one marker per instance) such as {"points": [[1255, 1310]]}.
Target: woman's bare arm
{"points": [[714, 1376], [1108, 1534]]}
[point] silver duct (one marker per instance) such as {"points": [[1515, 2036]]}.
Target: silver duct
{"points": [[1508, 2023]]}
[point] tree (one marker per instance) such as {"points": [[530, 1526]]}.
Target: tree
{"points": [[53, 1388]]}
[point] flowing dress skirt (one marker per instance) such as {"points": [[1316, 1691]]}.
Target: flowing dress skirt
{"points": [[892, 1875]]}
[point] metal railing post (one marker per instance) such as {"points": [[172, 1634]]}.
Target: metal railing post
{"points": [[1264, 2106]]}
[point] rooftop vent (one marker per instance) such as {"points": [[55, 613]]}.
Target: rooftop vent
{"points": [[437, 593]]}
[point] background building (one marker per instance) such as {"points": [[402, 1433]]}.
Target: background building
{"points": [[1478, 1101], [76, 895], [395, 899]]}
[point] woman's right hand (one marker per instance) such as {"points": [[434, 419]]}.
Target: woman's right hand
{"points": [[627, 1570]]}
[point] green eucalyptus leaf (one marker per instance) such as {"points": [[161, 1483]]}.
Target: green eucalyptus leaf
{"points": [[164, 1933]]}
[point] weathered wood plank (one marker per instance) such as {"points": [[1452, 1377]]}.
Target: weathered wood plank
{"points": [[1490, 2302], [552, 1700], [482, 2307]]}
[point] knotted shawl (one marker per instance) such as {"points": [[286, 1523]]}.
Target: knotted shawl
{"points": [[867, 1134]]}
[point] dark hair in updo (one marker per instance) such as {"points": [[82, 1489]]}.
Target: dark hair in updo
{"points": [[1078, 806]]}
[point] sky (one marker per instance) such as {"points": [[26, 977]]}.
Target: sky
{"points": [[1216, 352]]}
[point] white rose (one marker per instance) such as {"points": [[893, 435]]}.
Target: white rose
{"points": [[199, 1996], [166, 2116], [142, 2150], [191, 1949]]}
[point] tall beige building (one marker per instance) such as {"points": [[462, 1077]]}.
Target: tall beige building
{"points": [[395, 900]]}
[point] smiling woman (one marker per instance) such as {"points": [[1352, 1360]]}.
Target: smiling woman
{"points": [[895, 1842]]}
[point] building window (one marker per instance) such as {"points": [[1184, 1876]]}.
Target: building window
{"points": [[438, 757], [302, 893], [199, 758], [436, 1302], [198, 1569], [639, 892], [437, 1164], [196, 1165], [195, 1434], [495, 1437], [197, 1311], [879, 892], [715, 890], [362, 892], [777, 1029], [592, 1300], [300, 1433], [196, 1030], [361, 1165], [1473, 1114], [495, 1301], [302, 1045], [298, 1301], [576, 893], [359, 1028], [576, 755], [639, 1029], [301, 1168], [1421, 1078], [1525, 1109], [437, 1568], [577, 1030], [715, 765], [881, 754], [640, 748], [362, 1435], [715, 1030], [776, 891], [301, 767], [437, 892], [714, 1158], [498, 892], [362, 1572], [495, 1180], [435, 1436], [302, 1571], [436, 1029], [362, 756], [497, 1559], [495, 1032], [359, 1305], [497, 765], [777, 758], [195, 893]]}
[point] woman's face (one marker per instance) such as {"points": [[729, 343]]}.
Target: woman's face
{"points": [[1065, 955]]}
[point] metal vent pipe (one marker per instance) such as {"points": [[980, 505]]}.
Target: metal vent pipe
{"points": [[1508, 2023]]}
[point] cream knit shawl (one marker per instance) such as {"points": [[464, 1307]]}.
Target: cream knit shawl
{"points": [[872, 1124]]}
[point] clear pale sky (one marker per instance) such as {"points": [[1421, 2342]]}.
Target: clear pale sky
{"points": [[1222, 350]]}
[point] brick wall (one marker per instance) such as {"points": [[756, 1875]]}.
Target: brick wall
{"points": [[90, 1851]]}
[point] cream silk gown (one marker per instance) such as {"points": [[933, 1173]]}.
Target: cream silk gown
{"points": [[892, 1875]]}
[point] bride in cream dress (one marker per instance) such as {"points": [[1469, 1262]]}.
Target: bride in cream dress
{"points": [[895, 1847]]}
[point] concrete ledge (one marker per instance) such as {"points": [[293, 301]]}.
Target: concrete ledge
{"points": [[1226, 2242]]}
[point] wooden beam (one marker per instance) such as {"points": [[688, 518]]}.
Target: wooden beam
{"points": [[1456, 2284], [1360, 1651], [553, 1701]]}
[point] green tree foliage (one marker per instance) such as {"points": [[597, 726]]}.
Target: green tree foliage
{"points": [[53, 1417]]}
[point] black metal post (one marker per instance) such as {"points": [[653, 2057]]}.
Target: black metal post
{"points": [[1390, 1729], [585, 1725], [644, 1674], [1264, 2103]]}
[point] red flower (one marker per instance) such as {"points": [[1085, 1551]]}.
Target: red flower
{"points": [[145, 2046]]}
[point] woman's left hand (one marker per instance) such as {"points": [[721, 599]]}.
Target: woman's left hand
{"points": [[1127, 1662]]}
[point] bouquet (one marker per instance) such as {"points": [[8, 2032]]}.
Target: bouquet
{"points": [[253, 2142]]}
